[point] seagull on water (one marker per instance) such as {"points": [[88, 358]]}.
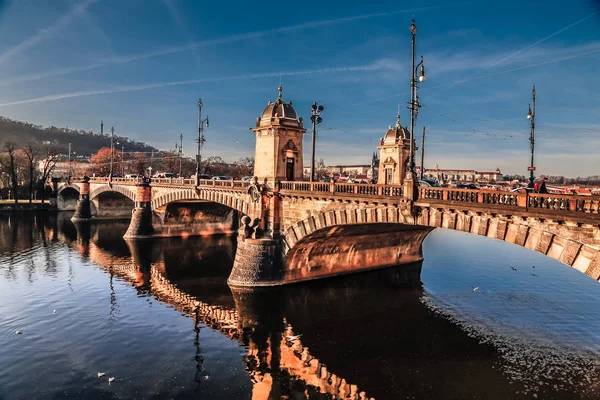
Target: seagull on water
{"points": [[533, 275], [53, 311], [111, 379], [101, 374], [18, 332], [475, 288]]}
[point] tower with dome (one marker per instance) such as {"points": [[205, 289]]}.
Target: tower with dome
{"points": [[279, 133], [394, 149]]}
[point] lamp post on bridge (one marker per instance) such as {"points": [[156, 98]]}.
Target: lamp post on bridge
{"points": [[71, 153], [316, 119], [531, 116], [200, 140], [180, 152], [122, 160], [411, 187], [112, 152]]}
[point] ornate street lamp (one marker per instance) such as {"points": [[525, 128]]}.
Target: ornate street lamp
{"points": [[112, 151], [531, 116], [200, 140], [316, 119], [417, 75]]}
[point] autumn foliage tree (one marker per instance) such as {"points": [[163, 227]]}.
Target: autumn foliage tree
{"points": [[100, 161]]}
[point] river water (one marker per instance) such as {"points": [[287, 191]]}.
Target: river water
{"points": [[159, 317]]}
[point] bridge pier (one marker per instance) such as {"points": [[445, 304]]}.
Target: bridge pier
{"points": [[140, 226], [83, 211], [257, 263]]}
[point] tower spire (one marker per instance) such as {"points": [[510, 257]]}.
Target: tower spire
{"points": [[398, 116], [280, 88]]}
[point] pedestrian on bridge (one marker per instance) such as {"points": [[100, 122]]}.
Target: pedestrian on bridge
{"points": [[541, 187]]}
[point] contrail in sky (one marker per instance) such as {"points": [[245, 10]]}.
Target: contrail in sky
{"points": [[133, 88], [595, 51], [44, 33], [539, 41], [210, 42]]}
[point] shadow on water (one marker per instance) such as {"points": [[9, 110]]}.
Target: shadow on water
{"points": [[368, 335]]}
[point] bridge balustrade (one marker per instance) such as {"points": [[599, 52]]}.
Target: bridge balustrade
{"points": [[344, 188], [587, 204]]}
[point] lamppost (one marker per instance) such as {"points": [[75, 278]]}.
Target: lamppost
{"points": [[200, 140], [316, 119], [531, 116], [414, 106], [180, 152], [112, 151], [122, 161], [70, 169]]}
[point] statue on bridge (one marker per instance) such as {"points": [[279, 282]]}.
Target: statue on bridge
{"points": [[247, 230]]}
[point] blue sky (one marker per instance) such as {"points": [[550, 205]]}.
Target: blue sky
{"points": [[142, 64]]}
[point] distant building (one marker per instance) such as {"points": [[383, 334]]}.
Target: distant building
{"points": [[350, 170], [462, 175]]}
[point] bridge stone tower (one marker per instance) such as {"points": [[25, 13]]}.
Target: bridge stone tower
{"points": [[279, 134], [394, 150], [83, 212]]}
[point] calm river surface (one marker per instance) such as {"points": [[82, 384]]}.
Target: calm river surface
{"points": [[159, 317]]}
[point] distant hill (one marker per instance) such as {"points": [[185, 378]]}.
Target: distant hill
{"points": [[82, 142]]}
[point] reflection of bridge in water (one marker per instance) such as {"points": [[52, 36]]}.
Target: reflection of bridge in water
{"points": [[272, 361], [367, 330]]}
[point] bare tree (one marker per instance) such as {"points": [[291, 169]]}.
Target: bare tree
{"points": [[8, 163], [49, 162], [32, 153]]}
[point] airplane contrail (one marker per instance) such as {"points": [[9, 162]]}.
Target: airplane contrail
{"points": [[595, 51], [133, 88], [44, 33], [210, 42], [539, 41]]}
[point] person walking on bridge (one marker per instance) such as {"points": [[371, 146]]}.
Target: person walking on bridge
{"points": [[541, 187]]}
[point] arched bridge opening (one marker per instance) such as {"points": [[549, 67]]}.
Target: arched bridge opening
{"points": [[344, 249], [67, 198], [194, 217], [109, 204]]}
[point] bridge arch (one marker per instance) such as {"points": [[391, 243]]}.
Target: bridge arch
{"points": [[73, 186], [226, 198], [127, 191], [541, 235], [67, 197]]}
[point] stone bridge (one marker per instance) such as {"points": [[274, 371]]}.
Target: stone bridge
{"points": [[290, 230], [309, 230]]}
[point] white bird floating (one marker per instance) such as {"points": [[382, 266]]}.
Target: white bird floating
{"points": [[101, 374], [291, 338], [53, 311], [475, 288], [19, 332], [111, 379]]}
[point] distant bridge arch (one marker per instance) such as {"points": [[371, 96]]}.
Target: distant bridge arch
{"points": [[127, 191], [226, 198]]}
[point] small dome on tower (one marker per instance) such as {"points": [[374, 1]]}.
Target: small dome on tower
{"points": [[281, 110], [396, 132]]}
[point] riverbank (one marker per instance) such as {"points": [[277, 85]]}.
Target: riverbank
{"points": [[10, 205]]}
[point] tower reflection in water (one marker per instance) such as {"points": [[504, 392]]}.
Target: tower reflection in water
{"points": [[361, 336]]}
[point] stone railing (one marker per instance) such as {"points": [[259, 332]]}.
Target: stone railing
{"points": [[587, 204], [523, 199], [350, 189], [176, 182]]}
